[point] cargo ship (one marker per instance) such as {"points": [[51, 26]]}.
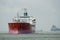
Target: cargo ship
{"points": [[22, 24]]}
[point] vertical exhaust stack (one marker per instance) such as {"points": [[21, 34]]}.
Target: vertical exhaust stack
{"points": [[22, 24]]}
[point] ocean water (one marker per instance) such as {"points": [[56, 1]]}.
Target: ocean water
{"points": [[35, 36]]}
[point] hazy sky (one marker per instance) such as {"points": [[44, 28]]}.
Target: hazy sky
{"points": [[47, 12]]}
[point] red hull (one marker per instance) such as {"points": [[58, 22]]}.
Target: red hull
{"points": [[19, 28]]}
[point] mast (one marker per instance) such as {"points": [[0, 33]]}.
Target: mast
{"points": [[18, 20], [25, 12]]}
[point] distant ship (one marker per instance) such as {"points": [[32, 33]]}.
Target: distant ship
{"points": [[22, 24], [54, 28]]}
